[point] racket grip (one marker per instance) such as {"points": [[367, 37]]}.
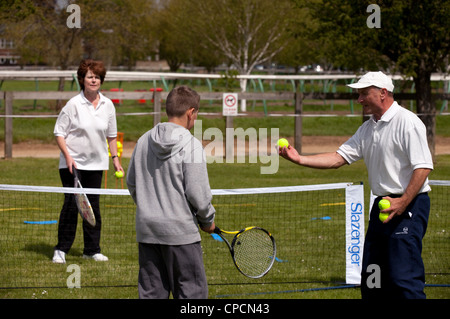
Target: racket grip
{"points": [[217, 230]]}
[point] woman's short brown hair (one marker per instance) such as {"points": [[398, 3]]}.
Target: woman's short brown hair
{"points": [[96, 67], [181, 99]]}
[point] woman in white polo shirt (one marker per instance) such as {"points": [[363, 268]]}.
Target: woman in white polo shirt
{"points": [[83, 128]]}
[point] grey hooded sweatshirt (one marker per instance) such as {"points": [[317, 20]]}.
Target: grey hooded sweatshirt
{"points": [[168, 180]]}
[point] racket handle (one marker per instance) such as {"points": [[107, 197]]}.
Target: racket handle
{"points": [[217, 230], [75, 174]]}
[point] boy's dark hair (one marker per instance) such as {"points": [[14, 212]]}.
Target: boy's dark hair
{"points": [[96, 67], [181, 99]]}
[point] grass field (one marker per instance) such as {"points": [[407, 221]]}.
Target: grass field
{"points": [[36, 250], [37, 253]]}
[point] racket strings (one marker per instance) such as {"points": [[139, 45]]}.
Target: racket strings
{"points": [[254, 252]]}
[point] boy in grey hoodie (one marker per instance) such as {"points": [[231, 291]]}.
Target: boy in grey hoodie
{"points": [[168, 180]]}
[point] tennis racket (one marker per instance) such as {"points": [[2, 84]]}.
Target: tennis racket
{"points": [[83, 204], [253, 250]]}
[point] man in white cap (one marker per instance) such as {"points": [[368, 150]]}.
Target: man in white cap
{"points": [[394, 147]]}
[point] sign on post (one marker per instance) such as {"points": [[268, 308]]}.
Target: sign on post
{"points": [[230, 104]]}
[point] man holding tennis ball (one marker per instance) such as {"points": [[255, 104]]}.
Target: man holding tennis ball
{"points": [[393, 144], [168, 180]]}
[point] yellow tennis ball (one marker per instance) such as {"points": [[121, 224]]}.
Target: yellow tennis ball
{"points": [[384, 204], [282, 142], [119, 174], [383, 216]]}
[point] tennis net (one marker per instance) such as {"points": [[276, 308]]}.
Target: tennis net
{"points": [[309, 223]]}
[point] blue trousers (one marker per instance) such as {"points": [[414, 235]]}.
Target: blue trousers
{"points": [[395, 249]]}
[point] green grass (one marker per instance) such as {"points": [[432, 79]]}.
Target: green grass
{"points": [[33, 258], [135, 126]]}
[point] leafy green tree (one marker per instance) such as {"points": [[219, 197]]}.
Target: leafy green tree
{"points": [[175, 41], [413, 40], [132, 30], [41, 34], [116, 31], [178, 43], [304, 46], [39, 31]]}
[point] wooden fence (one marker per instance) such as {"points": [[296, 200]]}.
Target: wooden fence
{"points": [[297, 97]]}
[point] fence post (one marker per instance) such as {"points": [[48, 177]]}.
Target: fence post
{"points": [[229, 138], [8, 124], [298, 126], [156, 107]]}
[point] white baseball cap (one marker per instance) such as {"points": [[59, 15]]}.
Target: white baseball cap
{"points": [[378, 79]]}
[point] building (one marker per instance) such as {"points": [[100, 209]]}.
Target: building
{"points": [[7, 55]]}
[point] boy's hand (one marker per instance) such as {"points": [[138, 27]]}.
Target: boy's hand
{"points": [[208, 229]]}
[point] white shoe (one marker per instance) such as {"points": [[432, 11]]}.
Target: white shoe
{"points": [[96, 257], [59, 257]]}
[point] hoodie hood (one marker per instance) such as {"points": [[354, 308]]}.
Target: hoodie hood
{"points": [[167, 139]]}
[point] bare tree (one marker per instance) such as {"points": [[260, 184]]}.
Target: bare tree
{"points": [[245, 32]]}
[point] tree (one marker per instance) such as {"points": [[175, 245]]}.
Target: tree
{"points": [[43, 31], [245, 32], [175, 43], [39, 30], [419, 46], [132, 30], [413, 40], [110, 30]]}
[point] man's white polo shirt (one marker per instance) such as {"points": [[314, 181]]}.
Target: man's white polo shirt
{"points": [[86, 130], [392, 149]]}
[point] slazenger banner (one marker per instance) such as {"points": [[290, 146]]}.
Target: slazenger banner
{"points": [[354, 233]]}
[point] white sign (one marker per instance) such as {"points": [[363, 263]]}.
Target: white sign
{"points": [[230, 104], [354, 232]]}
